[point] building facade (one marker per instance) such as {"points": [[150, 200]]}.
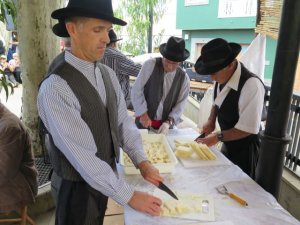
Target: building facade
{"points": [[233, 20]]}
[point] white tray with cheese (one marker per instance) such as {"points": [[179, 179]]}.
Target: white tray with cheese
{"points": [[194, 160], [158, 152]]}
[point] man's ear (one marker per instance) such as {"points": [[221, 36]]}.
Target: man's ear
{"points": [[71, 28], [232, 64]]}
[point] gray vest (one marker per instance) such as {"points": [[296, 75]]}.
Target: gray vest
{"points": [[101, 120], [153, 90]]}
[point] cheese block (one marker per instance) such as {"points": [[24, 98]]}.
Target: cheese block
{"points": [[195, 146], [183, 152], [209, 154], [175, 208]]}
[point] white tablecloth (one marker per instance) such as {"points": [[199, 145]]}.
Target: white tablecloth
{"points": [[262, 209]]}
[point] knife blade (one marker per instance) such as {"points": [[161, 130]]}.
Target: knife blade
{"points": [[200, 136], [163, 187], [152, 129]]}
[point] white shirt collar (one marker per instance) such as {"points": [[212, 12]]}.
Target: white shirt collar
{"points": [[233, 82], [83, 66]]}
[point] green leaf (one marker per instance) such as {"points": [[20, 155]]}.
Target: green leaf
{"points": [[5, 85], [10, 8], [136, 13]]}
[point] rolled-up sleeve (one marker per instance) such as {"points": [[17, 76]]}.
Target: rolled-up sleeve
{"points": [[250, 106]]}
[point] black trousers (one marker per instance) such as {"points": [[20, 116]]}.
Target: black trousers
{"points": [[244, 153], [79, 204]]}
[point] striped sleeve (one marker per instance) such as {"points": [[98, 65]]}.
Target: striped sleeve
{"points": [[60, 113]]}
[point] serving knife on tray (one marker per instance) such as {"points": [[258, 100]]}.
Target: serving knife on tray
{"points": [[165, 188]]}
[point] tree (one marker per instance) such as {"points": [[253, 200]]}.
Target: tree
{"points": [[139, 15], [38, 46]]}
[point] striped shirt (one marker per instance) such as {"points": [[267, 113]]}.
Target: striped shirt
{"points": [[137, 93], [60, 111], [123, 67]]}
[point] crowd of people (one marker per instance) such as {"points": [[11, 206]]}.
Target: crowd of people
{"points": [[10, 64], [83, 104]]}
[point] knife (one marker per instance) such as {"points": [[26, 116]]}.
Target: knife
{"points": [[152, 129], [200, 136], [163, 187]]}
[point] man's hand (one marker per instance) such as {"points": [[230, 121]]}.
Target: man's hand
{"points": [[146, 203], [208, 127], [145, 120], [164, 128], [209, 140], [150, 173]]}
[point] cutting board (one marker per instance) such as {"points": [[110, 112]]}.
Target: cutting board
{"points": [[200, 207], [194, 161]]}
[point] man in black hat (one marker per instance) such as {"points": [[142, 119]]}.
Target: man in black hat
{"points": [[161, 89], [82, 107], [113, 39], [123, 66], [238, 104]]}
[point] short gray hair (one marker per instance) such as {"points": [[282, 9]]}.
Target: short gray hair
{"points": [[77, 20]]}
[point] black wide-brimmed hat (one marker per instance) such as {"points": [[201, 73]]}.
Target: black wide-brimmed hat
{"points": [[174, 50], [113, 37], [99, 9], [216, 55]]}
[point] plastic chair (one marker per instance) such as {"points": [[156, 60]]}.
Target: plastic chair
{"points": [[23, 218]]}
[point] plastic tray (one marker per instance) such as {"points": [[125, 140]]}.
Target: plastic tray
{"points": [[162, 167]]}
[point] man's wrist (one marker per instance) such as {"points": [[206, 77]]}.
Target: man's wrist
{"points": [[144, 165], [220, 136], [170, 121]]}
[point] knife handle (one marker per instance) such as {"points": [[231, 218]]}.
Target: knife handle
{"points": [[200, 136], [238, 199]]}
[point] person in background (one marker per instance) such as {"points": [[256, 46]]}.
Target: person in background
{"points": [[18, 174], [83, 110], [121, 64], [2, 48], [65, 44], [161, 89], [15, 67], [4, 67], [113, 39], [238, 104], [60, 58], [14, 43]]}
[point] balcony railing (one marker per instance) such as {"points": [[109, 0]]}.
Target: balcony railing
{"points": [[292, 159]]}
